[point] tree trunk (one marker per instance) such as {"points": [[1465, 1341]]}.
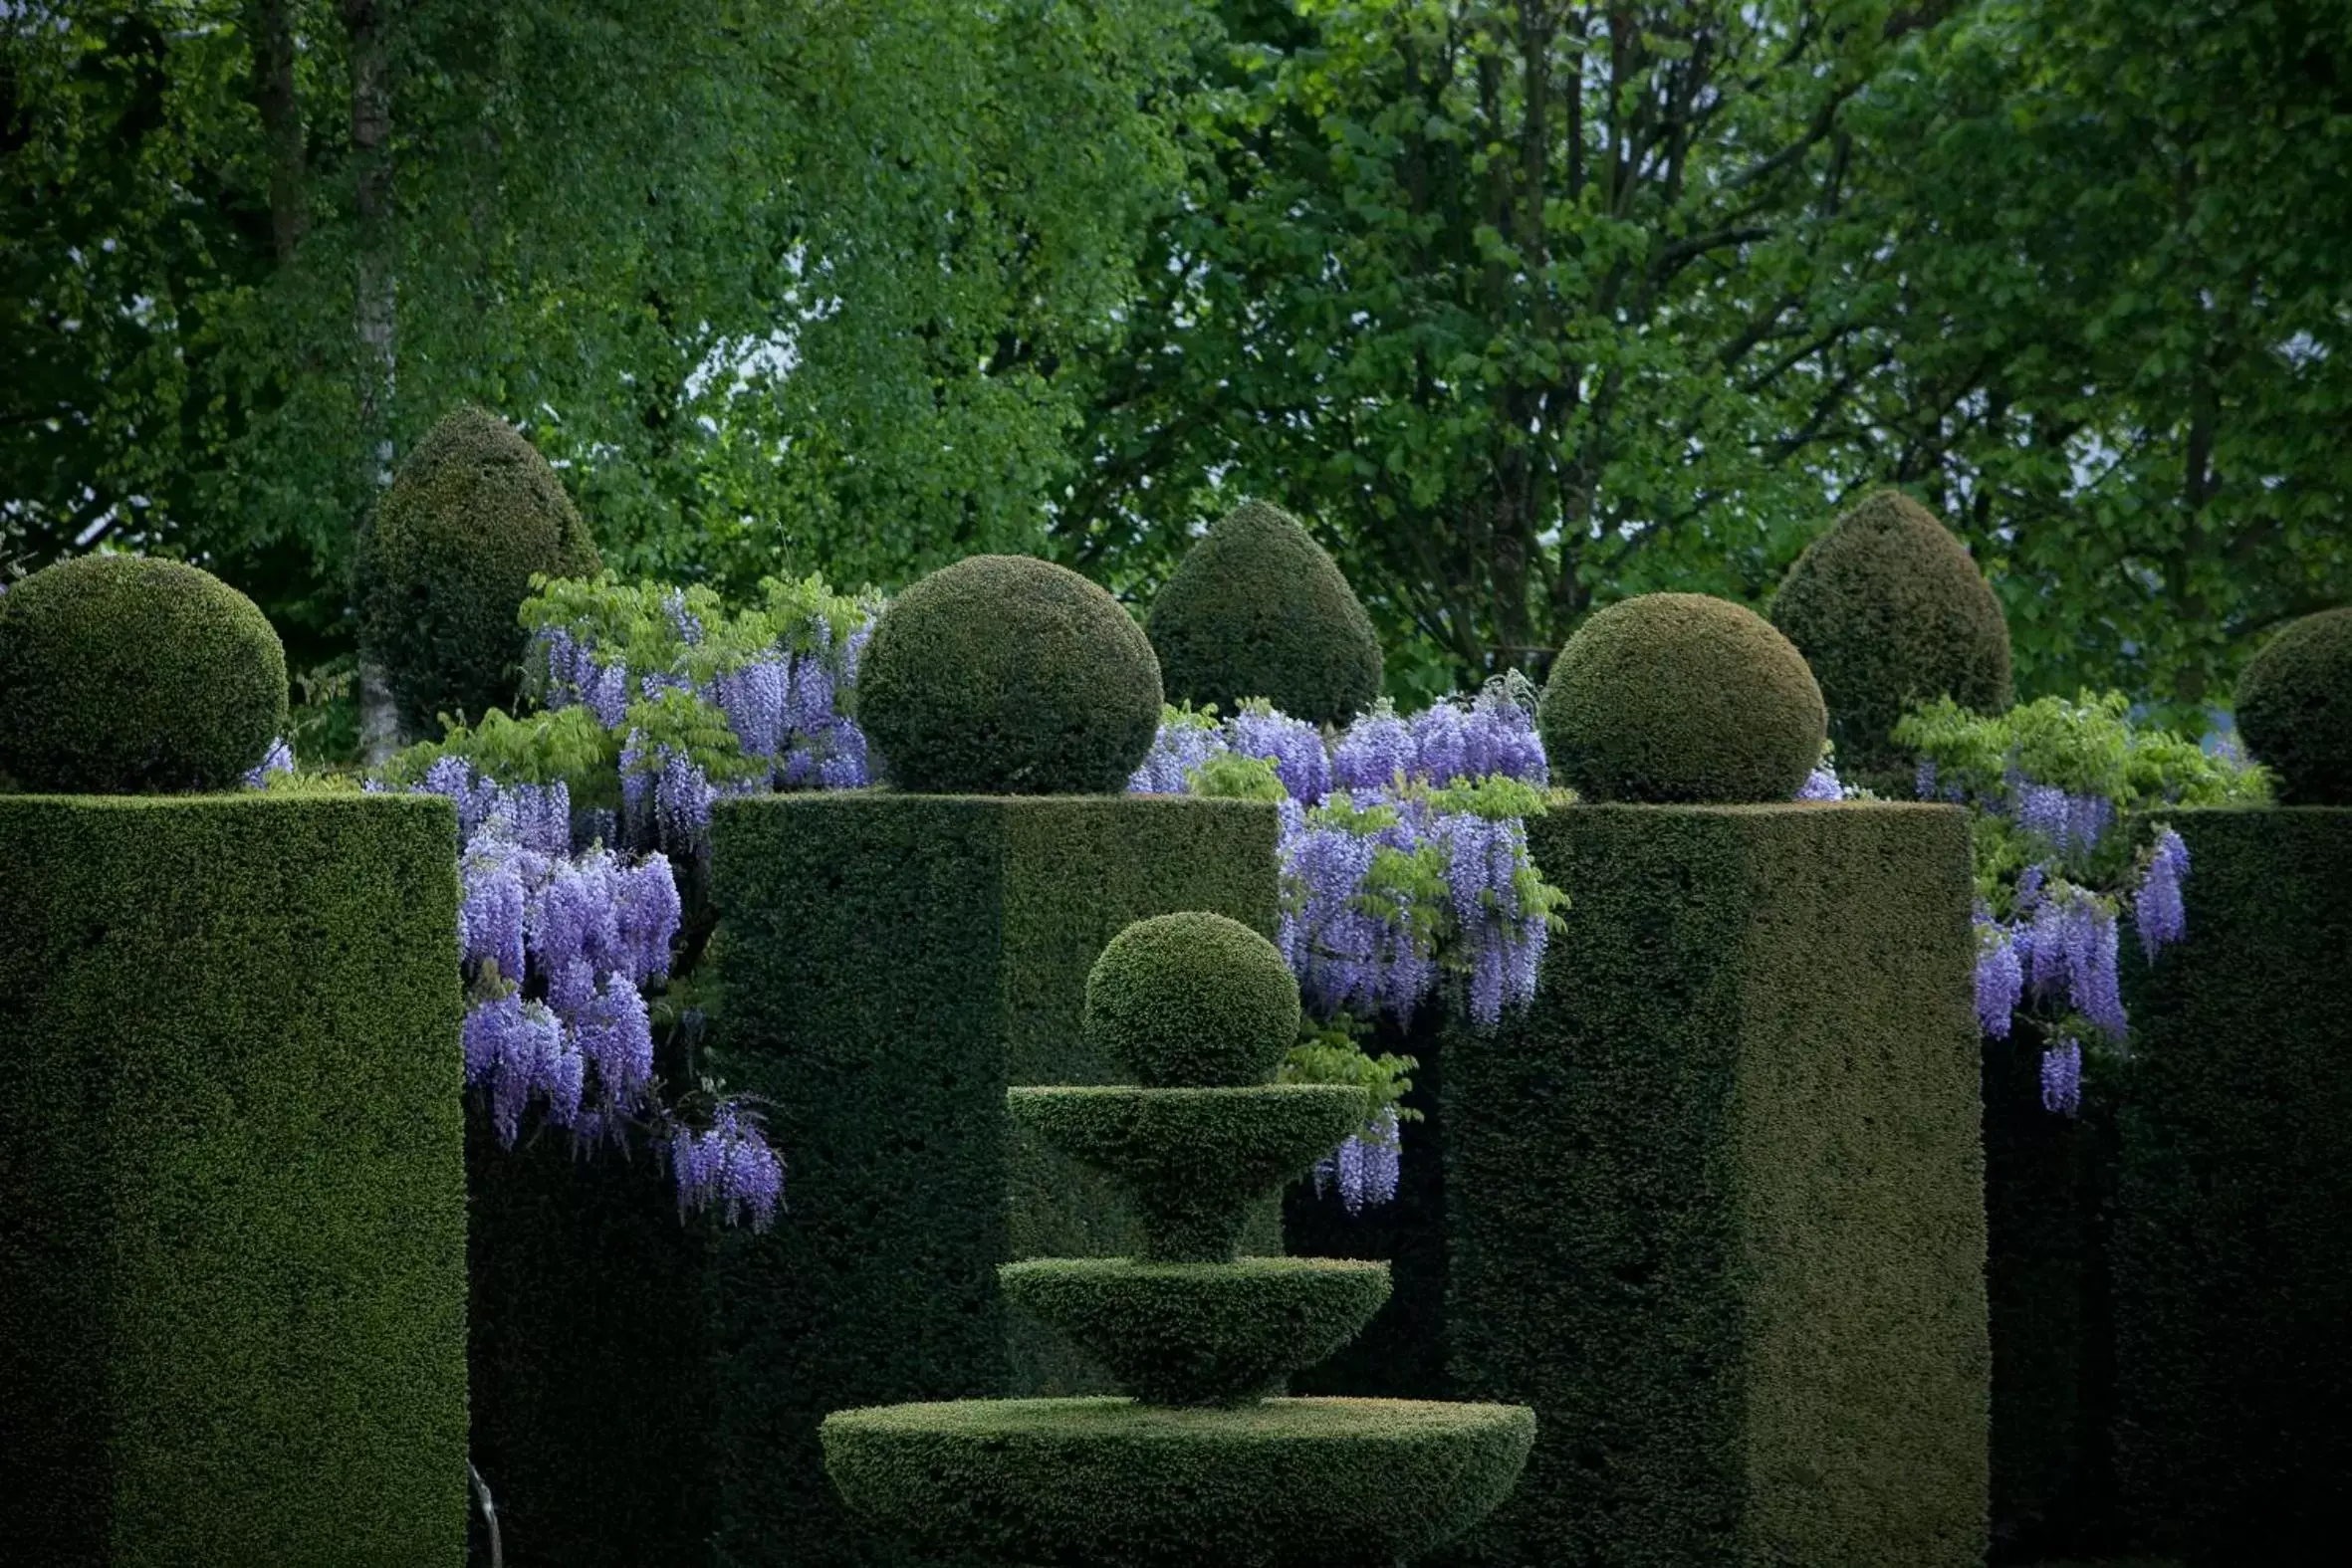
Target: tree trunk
{"points": [[366, 24], [270, 32]]}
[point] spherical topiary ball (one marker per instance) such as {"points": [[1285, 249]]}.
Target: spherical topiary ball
{"points": [[2294, 709], [1257, 608], [1680, 697], [1193, 1000], [1889, 609], [446, 562], [1007, 675], [122, 675]]}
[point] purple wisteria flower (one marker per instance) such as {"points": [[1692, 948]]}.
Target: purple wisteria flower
{"points": [[2001, 979], [1364, 1169], [2157, 909], [575, 677], [2061, 1078], [1505, 946], [1821, 784], [1377, 752], [1498, 737], [729, 1166], [1351, 953], [2072, 822], [1175, 752], [1295, 747], [278, 760]]}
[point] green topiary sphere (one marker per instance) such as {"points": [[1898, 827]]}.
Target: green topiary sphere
{"points": [[1680, 697], [446, 562], [1888, 609], [1258, 609], [2295, 708], [1007, 675], [121, 675], [1193, 1000]]}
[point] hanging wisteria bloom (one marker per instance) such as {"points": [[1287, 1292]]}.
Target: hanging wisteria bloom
{"points": [[1365, 1167], [2001, 979], [2157, 909], [2073, 823], [1377, 752], [1293, 746], [1184, 742], [2061, 1078], [278, 760], [728, 1167]]}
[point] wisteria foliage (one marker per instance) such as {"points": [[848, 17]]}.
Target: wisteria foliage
{"points": [[2053, 785]]}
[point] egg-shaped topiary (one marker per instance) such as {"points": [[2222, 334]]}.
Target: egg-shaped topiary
{"points": [[1193, 1000], [1007, 675], [1257, 608], [122, 675], [2294, 709], [1681, 697], [445, 563], [1888, 609]]}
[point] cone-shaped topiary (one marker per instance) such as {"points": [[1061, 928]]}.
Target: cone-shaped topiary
{"points": [[1007, 675], [2295, 708], [1258, 609], [1198, 1468], [1680, 697], [1193, 1000], [121, 675], [447, 562], [1888, 609]]}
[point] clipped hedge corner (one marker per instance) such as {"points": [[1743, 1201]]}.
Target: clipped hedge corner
{"points": [[232, 1185], [1714, 1205]]}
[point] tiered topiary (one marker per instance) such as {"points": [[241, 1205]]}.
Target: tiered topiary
{"points": [[447, 562], [1199, 1466], [1680, 697], [1007, 675], [121, 675], [2295, 708], [1888, 609], [1260, 610]]}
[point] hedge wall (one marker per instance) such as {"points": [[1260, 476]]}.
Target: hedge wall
{"points": [[232, 1203], [1714, 1203], [889, 963], [2233, 1269]]}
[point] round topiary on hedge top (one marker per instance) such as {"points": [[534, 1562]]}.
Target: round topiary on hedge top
{"points": [[1888, 609], [1681, 697], [1258, 609], [447, 562], [1193, 1000], [122, 675], [2294, 709], [1007, 675]]}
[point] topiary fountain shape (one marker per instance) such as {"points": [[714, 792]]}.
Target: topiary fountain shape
{"points": [[1198, 1464]]}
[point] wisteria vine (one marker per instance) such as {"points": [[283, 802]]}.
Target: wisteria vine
{"points": [[2054, 787]]}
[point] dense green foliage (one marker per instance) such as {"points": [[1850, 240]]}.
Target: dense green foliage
{"points": [[1683, 698], [1714, 1205], [232, 1210], [447, 559], [1007, 675], [2294, 709], [858, 935], [1529, 308], [1286, 1484], [1889, 611], [121, 675], [1192, 999], [1193, 1162], [679, 236], [1199, 1333], [1257, 608], [2235, 1138]]}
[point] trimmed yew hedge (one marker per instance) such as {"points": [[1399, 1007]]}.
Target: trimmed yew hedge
{"points": [[1714, 1204], [232, 1197], [2232, 1267]]}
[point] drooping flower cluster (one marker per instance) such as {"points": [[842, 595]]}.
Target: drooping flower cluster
{"points": [[1404, 860], [278, 760], [2052, 784]]}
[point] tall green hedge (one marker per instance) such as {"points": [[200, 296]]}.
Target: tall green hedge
{"points": [[2231, 1266], [888, 964], [1714, 1203], [232, 1202]]}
